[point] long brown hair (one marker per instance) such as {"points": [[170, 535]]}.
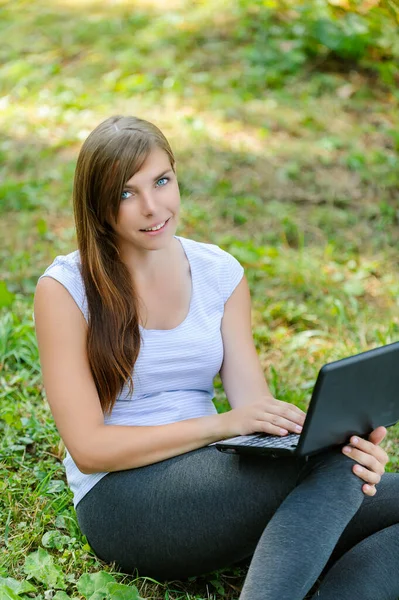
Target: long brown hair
{"points": [[109, 157]]}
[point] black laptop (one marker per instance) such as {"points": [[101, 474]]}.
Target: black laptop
{"points": [[351, 396]]}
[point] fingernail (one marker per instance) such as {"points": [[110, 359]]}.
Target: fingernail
{"points": [[347, 449], [298, 428], [354, 440], [283, 431]]}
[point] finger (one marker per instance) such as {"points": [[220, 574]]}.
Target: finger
{"points": [[366, 460], [291, 408], [373, 449], [378, 435], [270, 429], [288, 411], [368, 476], [296, 416], [282, 423], [370, 448], [274, 425], [369, 490]]}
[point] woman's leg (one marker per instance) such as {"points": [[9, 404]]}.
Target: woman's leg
{"points": [[204, 510], [369, 571], [376, 513], [186, 515], [365, 562], [299, 539]]}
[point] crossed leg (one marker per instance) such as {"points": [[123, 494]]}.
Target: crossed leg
{"points": [[365, 563], [205, 510]]}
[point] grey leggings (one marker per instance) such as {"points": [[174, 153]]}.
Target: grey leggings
{"points": [[300, 521]]}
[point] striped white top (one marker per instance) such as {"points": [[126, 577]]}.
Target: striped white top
{"points": [[173, 375]]}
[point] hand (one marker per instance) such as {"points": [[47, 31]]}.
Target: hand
{"points": [[370, 455], [267, 415]]}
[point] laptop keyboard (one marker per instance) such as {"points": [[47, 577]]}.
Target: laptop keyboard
{"points": [[265, 441]]}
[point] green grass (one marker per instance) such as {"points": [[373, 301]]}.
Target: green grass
{"points": [[287, 152]]}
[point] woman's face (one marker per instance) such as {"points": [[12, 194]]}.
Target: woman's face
{"points": [[150, 198]]}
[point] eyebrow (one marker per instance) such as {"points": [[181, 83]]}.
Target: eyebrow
{"points": [[130, 187]]}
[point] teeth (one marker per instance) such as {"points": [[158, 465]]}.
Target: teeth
{"points": [[156, 228]]}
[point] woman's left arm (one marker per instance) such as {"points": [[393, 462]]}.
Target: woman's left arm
{"points": [[244, 382], [241, 372], [370, 458]]}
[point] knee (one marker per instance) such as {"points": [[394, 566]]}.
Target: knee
{"points": [[335, 470], [331, 461]]}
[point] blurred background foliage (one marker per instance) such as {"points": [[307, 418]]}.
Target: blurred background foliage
{"points": [[284, 119]]}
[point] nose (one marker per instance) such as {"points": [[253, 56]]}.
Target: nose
{"points": [[147, 203]]}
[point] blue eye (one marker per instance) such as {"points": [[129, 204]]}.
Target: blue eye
{"points": [[165, 179], [125, 197]]}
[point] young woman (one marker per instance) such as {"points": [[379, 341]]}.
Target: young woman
{"points": [[132, 328]]}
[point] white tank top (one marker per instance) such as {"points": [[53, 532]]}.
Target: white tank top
{"points": [[173, 375]]}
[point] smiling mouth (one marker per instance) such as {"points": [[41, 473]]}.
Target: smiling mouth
{"points": [[156, 227]]}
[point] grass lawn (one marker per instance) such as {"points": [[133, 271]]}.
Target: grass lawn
{"points": [[287, 151]]}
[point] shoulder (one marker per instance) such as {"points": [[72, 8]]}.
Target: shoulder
{"points": [[66, 269], [216, 263], [207, 252], [64, 262]]}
